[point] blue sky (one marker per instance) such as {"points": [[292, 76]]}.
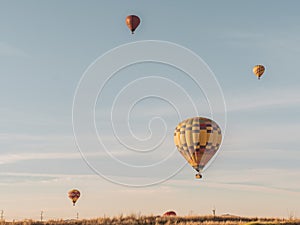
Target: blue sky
{"points": [[45, 48]]}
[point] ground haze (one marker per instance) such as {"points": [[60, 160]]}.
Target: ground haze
{"points": [[165, 220]]}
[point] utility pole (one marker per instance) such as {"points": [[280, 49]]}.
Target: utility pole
{"points": [[42, 212], [214, 211], [2, 214], [77, 216]]}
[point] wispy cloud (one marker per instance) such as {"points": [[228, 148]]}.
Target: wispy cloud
{"points": [[257, 180], [242, 35], [271, 98], [263, 40], [9, 50], [11, 178], [30, 137], [248, 135], [13, 158]]}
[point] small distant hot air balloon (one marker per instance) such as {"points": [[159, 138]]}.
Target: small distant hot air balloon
{"points": [[198, 139], [258, 70], [132, 22], [169, 213], [74, 195]]}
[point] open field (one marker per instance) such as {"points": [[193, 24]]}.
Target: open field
{"points": [[157, 220]]}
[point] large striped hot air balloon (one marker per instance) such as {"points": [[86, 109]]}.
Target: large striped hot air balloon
{"points": [[198, 139], [74, 195]]}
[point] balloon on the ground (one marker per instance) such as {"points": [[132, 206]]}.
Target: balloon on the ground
{"points": [[198, 139], [169, 213]]}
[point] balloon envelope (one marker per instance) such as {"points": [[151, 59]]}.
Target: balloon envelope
{"points": [[169, 213], [132, 22], [74, 195], [258, 70], [198, 139]]}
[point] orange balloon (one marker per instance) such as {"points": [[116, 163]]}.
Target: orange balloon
{"points": [[132, 22], [258, 70]]}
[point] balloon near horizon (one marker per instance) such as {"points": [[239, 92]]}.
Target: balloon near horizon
{"points": [[198, 139], [74, 195]]}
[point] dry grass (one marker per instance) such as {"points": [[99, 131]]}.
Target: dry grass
{"points": [[157, 220]]}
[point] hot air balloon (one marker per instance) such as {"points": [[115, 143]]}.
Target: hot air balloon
{"points": [[132, 22], [169, 213], [258, 70], [74, 195], [198, 139]]}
